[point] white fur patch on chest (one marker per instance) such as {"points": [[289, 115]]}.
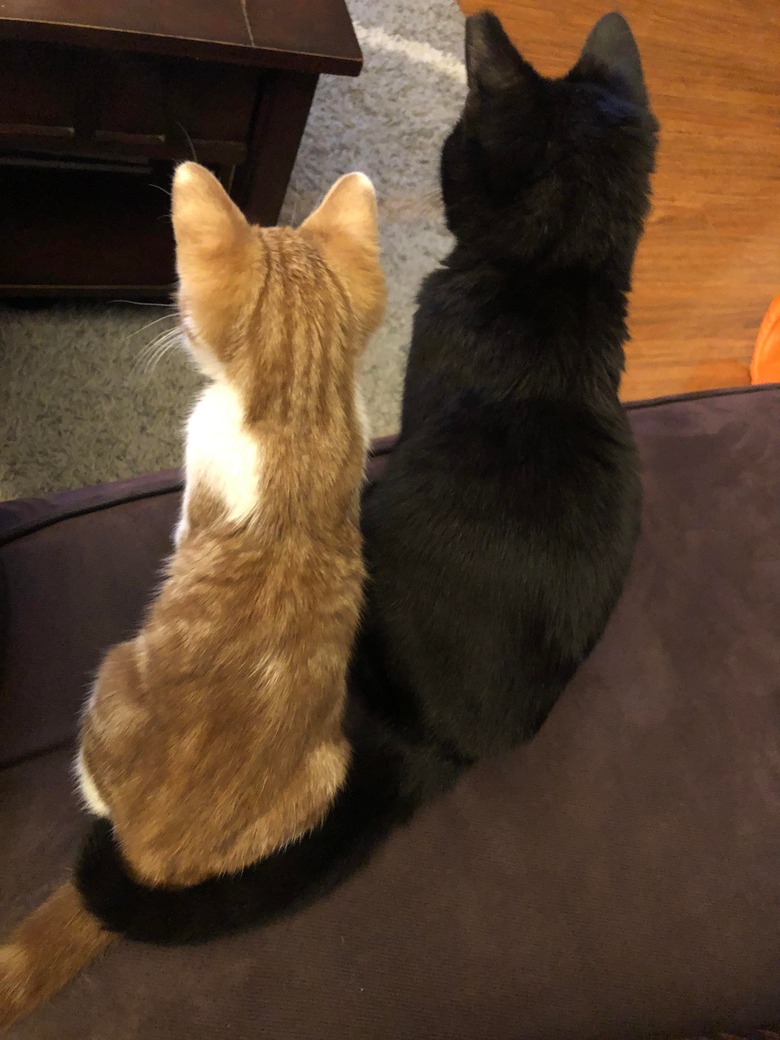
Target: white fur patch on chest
{"points": [[222, 456], [89, 792]]}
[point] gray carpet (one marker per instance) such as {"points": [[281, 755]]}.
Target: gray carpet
{"points": [[79, 401]]}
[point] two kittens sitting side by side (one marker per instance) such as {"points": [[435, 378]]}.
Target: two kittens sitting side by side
{"points": [[499, 536], [215, 736], [497, 541]]}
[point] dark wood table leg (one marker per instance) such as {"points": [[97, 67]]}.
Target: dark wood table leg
{"points": [[283, 106]]}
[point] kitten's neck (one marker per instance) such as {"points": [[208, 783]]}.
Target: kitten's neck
{"points": [[240, 472], [555, 300], [611, 276], [516, 331]]}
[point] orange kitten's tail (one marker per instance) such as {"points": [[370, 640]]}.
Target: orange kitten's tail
{"points": [[46, 951]]}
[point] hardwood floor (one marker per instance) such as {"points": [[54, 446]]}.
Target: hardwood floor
{"points": [[710, 261]]}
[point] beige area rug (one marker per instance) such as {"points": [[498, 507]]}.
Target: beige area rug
{"points": [[78, 403]]}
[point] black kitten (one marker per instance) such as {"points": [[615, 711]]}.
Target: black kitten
{"points": [[499, 537]]}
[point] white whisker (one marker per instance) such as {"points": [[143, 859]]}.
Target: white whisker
{"points": [[154, 343], [164, 317], [189, 139], [139, 303], [151, 355]]}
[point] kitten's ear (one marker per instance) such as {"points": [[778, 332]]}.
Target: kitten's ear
{"points": [[212, 234], [346, 227], [213, 261], [493, 63], [348, 208], [611, 48]]}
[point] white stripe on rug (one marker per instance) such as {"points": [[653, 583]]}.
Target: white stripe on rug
{"points": [[420, 53]]}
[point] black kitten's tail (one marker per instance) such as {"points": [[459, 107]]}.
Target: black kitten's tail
{"points": [[384, 786]]}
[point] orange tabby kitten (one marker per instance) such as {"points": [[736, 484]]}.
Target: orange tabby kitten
{"points": [[214, 737]]}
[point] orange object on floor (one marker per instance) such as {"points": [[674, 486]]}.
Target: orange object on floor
{"points": [[765, 366]]}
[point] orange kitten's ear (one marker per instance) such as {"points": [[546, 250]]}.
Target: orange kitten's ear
{"points": [[349, 207], [207, 224], [213, 247], [346, 225]]}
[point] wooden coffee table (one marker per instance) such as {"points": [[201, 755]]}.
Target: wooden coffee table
{"points": [[100, 98]]}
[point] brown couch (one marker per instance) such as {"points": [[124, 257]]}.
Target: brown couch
{"points": [[618, 878]]}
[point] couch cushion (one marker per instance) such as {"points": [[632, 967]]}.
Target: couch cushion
{"points": [[616, 878]]}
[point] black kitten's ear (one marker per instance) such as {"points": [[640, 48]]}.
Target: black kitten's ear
{"points": [[493, 63], [611, 47]]}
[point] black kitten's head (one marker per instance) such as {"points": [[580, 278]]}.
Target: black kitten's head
{"points": [[551, 170]]}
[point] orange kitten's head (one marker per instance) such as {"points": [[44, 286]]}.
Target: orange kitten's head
{"points": [[277, 312]]}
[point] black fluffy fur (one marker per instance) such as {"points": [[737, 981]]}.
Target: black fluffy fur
{"points": [[500, 535]]}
